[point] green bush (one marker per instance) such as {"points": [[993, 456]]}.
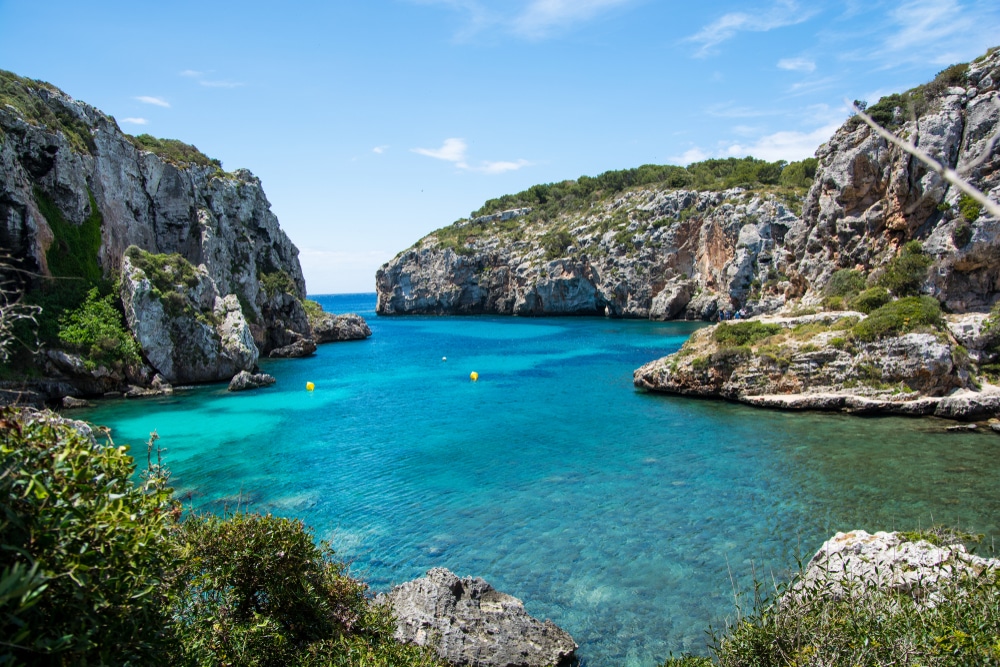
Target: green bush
{"points": [[96, 330], [961, 235], [95, 569], [743, 333], [173, 151], [969, 208], [100, 543], [74, 249], [845, 282], [906, 314], [907, 271], [871, 299], [555, 243]]}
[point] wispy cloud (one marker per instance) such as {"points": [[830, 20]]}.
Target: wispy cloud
{"points": [[782, 13], [797, 64], [811, 86], [527, 19], [135, 121], [221, 84], [193, 73], [690, 155], [787, 145], [155, 101], [209, 83], [730, 110], [379, 150], [454, 150]]}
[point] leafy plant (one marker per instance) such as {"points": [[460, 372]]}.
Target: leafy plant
{"points": [[174, 151], [969, 208], [907, 271], [96, 329], [845, 282], [743, 333], [871, 299], [898, 317]]}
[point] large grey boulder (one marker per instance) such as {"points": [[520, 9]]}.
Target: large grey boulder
{"points": [[245, 380], [330, 328], [468, 622]]}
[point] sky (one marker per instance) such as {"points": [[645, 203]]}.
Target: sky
{"points": [[374, 122]]}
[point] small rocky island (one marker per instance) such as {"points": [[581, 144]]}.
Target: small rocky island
{"points": [[97, 223]]}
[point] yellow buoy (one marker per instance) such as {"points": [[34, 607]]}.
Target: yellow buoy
{"points": [[473, 376], [310, 386]]}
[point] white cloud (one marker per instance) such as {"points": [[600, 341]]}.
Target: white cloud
{"points": [[783, 13], [221, 84], [453, 150], [192, 73], [690, 155], [785, 145], [378, 150], [542, 17], [155, 101], [811, 86], [797, 64], [728, 110], [528, 19], [135, 121]]}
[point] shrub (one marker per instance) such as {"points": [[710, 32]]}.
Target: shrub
{"points": [[96, 330], [907, 271], [898, 317], [277, 282], [961, 235], [871, 299], [173, 151], [845, 282], [98, 546], [744, 333], [556, 243], [969, 208]]}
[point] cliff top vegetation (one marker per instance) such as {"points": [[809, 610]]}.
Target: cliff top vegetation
{"points": [[23, 96]]}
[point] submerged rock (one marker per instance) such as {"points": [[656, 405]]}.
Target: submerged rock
{"points": [[468, 622]]}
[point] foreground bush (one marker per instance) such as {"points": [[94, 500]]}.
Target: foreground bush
{"points": [[98, 570], [907, 314]]}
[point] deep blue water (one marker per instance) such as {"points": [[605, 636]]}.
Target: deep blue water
{"points": [[617, 514]]}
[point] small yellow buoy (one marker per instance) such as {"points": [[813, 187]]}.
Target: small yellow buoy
{"points": [[310, 386], [474, 376]]}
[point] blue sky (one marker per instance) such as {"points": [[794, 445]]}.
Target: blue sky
{"points": [[373, 122]]}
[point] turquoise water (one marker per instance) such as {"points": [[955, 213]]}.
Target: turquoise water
{"points": [[617, 514]]}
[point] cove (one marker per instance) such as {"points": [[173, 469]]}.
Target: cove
{"points": [[616, 514]]}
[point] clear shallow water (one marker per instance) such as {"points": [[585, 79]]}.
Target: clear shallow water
{"points": [[616, 514]]}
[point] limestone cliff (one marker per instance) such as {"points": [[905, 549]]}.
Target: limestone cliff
{"points": [[664, 252], [76, 193]]}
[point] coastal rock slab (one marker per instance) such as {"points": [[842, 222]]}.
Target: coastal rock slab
{"points": [[468, 622], [857, 561], [303, 347]]}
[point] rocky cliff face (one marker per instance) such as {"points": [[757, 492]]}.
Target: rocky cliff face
{"points": [[661, 253], [58, 154]]}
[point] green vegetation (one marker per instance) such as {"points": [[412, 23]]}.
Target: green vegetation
{"points": [[21, 93], [907, 271], [174, 151], [940, 535], [277, 282], [549, 199], [871, 299], [907, 314], [169, 275], [961, 235], [98, 569], [845, 283], [893, 110], [969, 208], [555, 243], [744, 333], [97, 331], [866, 625], [74, 249]]}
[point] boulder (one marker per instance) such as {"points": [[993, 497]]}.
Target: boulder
{"points": [[330, 328], [468, 622], [303, 347], [245, 380], [70, 402]]}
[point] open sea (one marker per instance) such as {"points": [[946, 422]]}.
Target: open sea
{"points": [[619, 515]]}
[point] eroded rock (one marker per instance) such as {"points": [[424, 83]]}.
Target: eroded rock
{"points": [[245, 380], [468, 622]]}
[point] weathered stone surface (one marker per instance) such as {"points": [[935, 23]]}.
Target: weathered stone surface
{"points": [[330, 328], [69, 402], [303, 347], [851, 563], [468, 622], [245, 380], [219, 222]]}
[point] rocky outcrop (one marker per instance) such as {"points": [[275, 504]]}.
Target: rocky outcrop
{"points": [[854, 563], [824, 362], [468, 622], [72, 161], [673, 253], [303, 347], [244, 381], [330, 328]]}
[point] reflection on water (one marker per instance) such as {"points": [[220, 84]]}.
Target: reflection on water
{"points": [[614, 513]]}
